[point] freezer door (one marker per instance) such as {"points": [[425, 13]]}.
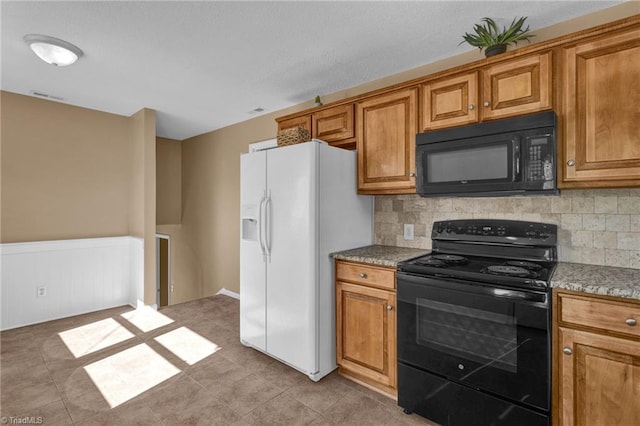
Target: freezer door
{"points": [[291, 266], [253, 172]]}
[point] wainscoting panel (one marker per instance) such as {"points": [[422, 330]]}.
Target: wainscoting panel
{"points": [[76, 277]]}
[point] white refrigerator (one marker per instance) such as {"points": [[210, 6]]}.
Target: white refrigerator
{"points": [[298, 204]]}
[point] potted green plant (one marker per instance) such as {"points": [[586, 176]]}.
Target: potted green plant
{"points": [[488, 36], [317, 101]]}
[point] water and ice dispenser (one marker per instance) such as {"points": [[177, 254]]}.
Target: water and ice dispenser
{"points": [[249, 214]]}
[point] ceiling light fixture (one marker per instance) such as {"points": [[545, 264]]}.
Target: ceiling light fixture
{"points": [[53, 50]]}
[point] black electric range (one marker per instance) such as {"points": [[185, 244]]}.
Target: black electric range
{"points": [[474, 321]]}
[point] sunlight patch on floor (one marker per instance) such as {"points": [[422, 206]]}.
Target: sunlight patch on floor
{"points": [[129, 373], [95, 336], [146, 318], [187, 345]]}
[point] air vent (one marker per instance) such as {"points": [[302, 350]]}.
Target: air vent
{"points": [[46, 96]]}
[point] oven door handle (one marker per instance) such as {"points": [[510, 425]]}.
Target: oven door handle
{"points": [[503, 293], [518, 295]]}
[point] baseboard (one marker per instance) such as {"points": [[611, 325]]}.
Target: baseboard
{"points": [[229, 293]]}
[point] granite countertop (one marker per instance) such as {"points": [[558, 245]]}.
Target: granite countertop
{"points": [[379, 255], [596, 279]]}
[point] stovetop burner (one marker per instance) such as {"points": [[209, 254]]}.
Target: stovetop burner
{"points": [[441, 260], [450, 258], [509, 270], [430, 261], [526, 265]]}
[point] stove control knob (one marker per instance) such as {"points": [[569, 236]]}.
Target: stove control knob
{"points": [[460, 366]]}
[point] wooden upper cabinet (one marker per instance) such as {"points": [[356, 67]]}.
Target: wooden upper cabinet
{"points": [[386, 132], [450, 102], [333, 124], [301, 121], [601, 108], [508, 88], [518, 86]]}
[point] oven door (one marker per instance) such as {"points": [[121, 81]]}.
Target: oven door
{"points": [[488, 338]]}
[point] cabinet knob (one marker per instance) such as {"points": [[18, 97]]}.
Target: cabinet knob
{"points": [[363, 275], [631, 321], [486, 103], [412, 174], [471, 106], [389, 308], [567, 351], [571, 163]]}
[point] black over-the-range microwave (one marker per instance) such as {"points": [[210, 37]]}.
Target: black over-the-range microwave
{"points": [[512, 156]]}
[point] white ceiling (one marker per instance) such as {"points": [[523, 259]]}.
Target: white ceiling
{"points": [[206, 65]]}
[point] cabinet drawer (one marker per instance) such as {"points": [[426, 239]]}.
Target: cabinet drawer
{"points": [[366, 275], [592, 312]]}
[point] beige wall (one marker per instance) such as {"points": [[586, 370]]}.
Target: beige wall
{"points": [[142, 207], [185, 270], [211, 198], [168, 181], [210, 163], [65, 171], [70, 172]]}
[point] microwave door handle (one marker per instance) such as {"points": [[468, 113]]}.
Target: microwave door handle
{"points": [[516, 147]]}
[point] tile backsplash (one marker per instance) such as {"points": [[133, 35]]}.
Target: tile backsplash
{"points": [[595, 226]]}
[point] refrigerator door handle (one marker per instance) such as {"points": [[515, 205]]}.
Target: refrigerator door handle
{"points": [[267, 232], [260, 221]]}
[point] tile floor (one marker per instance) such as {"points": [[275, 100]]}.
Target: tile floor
{"points": [[127, 376]]}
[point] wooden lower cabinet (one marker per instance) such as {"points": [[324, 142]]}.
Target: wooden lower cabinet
{"points": [[598, 366], [366, 334]]}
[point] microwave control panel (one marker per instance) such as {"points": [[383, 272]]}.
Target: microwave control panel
{"points": [[539, 158]]}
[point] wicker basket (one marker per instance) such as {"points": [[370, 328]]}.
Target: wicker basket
{"points": [[293, 136]]}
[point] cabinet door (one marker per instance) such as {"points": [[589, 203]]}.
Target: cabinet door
{"points": [[333, 124], [599, 379], [302, 121], [386, 133], [450, 102], [366, 332], [517, 87], [601, 98]]}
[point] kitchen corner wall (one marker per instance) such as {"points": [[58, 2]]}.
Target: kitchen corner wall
{"points": [[599, 227]]}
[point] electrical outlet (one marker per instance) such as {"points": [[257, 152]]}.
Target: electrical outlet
{"points": [[171, 288], [42, 291], [408, 231]]}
